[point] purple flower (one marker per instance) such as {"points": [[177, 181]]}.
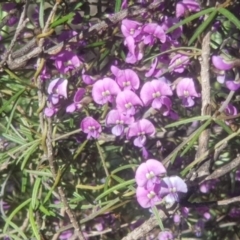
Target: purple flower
{"points": [[50, 110], [198, 228], [89, 80], [57, 89], [104, 90], [7, 7], [131, 28], [153, 31], [66, 235], [66, 61], [222, 62], [165, 235], [234, 212], [209, 185], [91, 127], [127, 101], [148, 197], [117, 119], [148, 174], [228, 80], [186, 91], [233, 85], [176, 218], [126, 79], [169, 22], [204, 211], [76, 105], [170, 187], [186, 6], [178, 63], [155, 93], [135, 50], [140, 130], [154, 71]]}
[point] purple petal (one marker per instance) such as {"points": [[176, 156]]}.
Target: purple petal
{"points": [[221, 63], [180, 9], [188, 102], [155, 30], [143, 126], [117, 130], [79, 95], [131, 28], [140, 141], [146, 93], [87, 79], [71, 108], [126, 102], [232, 85], [186, 88], [104, 90]]}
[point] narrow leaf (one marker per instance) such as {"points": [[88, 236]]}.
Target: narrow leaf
{"points": [[190, 18], [62, 20], [35, 192], [33, 223], [229, 16], [117, 187], [202, 27], [188, 120]]}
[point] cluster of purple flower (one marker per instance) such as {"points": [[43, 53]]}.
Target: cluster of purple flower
{"points": [[153, 187]]}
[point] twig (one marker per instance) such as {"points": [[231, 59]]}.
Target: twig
{"points": [[146, 227], [206, 100], [224, 169], [84, 34], [228, 201], [21, 24], [48, 125], [226, 102]]}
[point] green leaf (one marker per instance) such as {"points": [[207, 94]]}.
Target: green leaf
{"points": [[95, 44], [62, 20], [26, 154], [12, 113], [15, 139], [33, 223], [118, 4], [157, 215], [117, 187], [35, 193], [12, 99], [188, 120], [202, 27], [18, 230], [46, 211], [124, 167], [229, 16], [41, 13], [190, 18], [100, 211], [14, 212], [223, 125], [198, 132]]}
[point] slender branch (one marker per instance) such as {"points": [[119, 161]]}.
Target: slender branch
{"points": [[21, 25], [203, 140]]}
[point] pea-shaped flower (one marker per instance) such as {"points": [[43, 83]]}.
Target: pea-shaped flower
{"points": [[91, 127], [149, 173]]}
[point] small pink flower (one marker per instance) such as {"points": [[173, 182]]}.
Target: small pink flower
{"points": [[105, 90], [91, 127], [187, 92], [149, 173]]}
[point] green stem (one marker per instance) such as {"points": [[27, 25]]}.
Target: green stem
{"points": [[156, 213], [102, 158]]}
